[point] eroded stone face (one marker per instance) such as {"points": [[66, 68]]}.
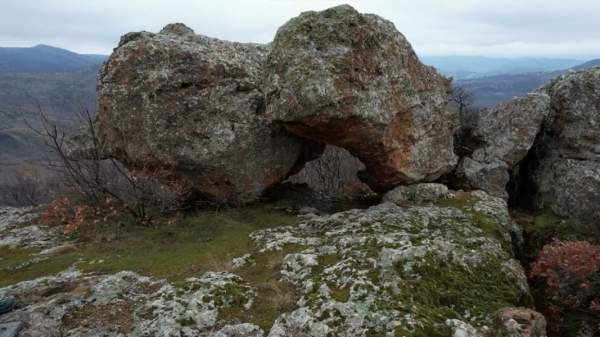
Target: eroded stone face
{"points": [[192, 104], [128, 304], [523, 322], [416, 194], [549, 141], [573, 131], [567, 153], [505, 134], [352, 80], [366, 272], [17, 229]]}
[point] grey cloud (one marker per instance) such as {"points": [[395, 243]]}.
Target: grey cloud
{"points": [[499, 27]]}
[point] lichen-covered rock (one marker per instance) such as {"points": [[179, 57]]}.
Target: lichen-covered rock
{"points": [[416, 194], [401, 271], [18, 230], [192, 105], [354, 81], [564, 166], [573, 129], [491, 176], [127, 304], [503, 134], [570, 187], [195, 309], [523, 322], [441, 268], [37, 303]]}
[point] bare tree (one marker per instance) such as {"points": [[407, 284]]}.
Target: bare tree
{"points": [[465, 140], [462, 98], [100, 179], [27, 185]]}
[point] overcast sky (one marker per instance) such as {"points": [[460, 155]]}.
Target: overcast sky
{"points": [[548, 28]]}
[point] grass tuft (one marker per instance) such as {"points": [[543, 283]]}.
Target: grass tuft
{"points": [[198, 243]]}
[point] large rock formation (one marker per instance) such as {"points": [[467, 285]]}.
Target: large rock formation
{"points": [[547, 143], [565, 163], [215, 113], [503, 135], [193, 105], [354, 81]]}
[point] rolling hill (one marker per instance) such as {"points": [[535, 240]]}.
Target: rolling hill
{"points": [[56, 81], [469, 67], [490, 90], [45, 59]]}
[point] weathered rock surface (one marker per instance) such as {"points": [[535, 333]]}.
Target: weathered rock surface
{"points": [[571, 188], [441, 268], [503, 136], [17, 229], [564, 165], [128, 304], [192, 105], [354, 81], [547, 145], [416, 194], [381, 271], [10, 329], [523, 322]]}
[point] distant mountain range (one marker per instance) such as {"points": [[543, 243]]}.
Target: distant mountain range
{"points": [[56, 80], [588, 64], [491, 90], [45, 59], [467, 67]]}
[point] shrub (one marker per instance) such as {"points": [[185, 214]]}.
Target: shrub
{"points": [[567, 278], [27, 184], [65, 213], [105, 185]]}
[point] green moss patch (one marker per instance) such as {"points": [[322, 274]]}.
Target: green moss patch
{"points": [[340, 294], [273, 295], [19, 264], [200, 242], [466, 202], [539, 228], [446, 290], [193, 245]]}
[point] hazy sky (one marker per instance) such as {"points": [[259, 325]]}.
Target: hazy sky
{"points": [[550, 28]]}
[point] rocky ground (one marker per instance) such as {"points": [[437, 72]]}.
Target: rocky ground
{"points": [[425, 262]]}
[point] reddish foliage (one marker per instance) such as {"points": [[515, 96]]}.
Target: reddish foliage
{"points": [[57, 212], [64, 212], [164, 189], [71, 215], [568, 277]]}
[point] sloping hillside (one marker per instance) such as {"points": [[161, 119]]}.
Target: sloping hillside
{"points": [[467, 67], [588, 64], [490, 90], [42, 78], [44, 59]]}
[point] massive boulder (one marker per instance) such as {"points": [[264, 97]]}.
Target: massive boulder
{"points": [[192, 104], [565, 163], [354, 81], [502, 136]]}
